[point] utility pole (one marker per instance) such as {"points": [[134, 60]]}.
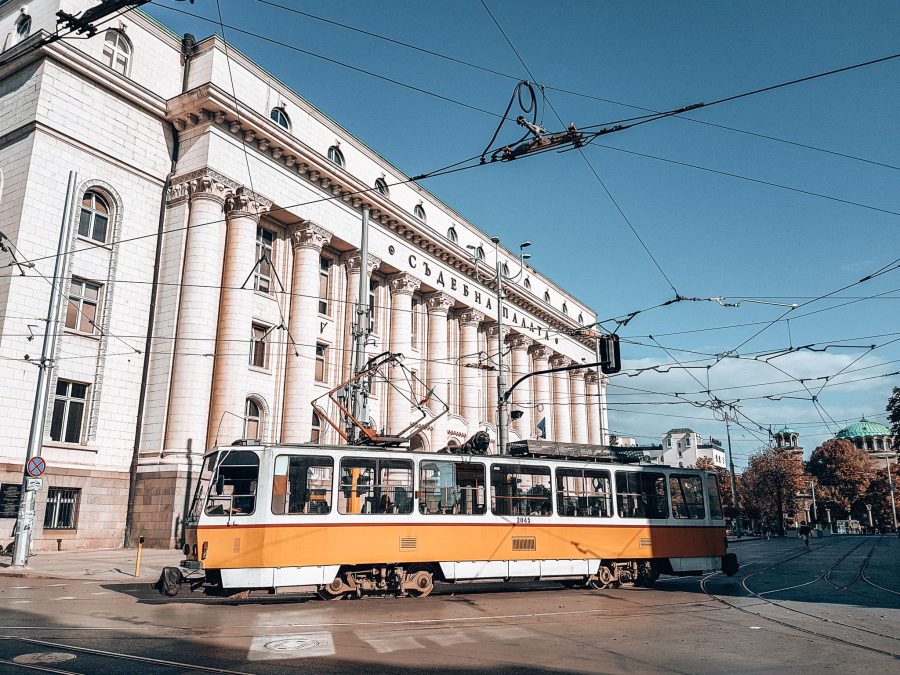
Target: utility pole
{"points": [[30, 486], [359, 395], [887, 462], [812, 487], [734, 490]]}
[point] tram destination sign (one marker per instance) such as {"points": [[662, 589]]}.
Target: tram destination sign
{"points": [[10, 494]]}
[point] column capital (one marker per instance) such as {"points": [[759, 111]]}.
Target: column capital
{"points": [[470, 317], [353, 259], [560, 361], [242, 202], [493, 329], [309, 235], [541, 352], [404, 284], [439, 302], [519, 342], [591, 377], [206, 186], [578, 373]]}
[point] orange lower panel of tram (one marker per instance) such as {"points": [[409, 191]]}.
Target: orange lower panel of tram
{"points": [[252, 546]]}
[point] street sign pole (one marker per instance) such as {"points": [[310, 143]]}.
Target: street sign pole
{"points": [[30, 486]]}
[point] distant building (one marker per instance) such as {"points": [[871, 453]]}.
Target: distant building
{"points": [[876, 438], [624, 442], [683, 447], [788, 440]]}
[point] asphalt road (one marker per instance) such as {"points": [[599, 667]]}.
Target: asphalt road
{"points": [[835, 608]]}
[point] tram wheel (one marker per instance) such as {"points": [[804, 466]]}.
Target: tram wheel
{"points": [[421, 583], [604, 578], [333, 591]]}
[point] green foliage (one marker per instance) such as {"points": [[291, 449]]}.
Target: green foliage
{"points": [[893, 411]]}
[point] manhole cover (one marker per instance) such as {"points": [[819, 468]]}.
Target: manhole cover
{"points": [[293, 644], [44, 657]]}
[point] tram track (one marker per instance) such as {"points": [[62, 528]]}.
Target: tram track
{"points": [[869, 581], [792, 626]]}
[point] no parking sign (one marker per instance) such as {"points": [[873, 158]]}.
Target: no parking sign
{"points": [[36, 467]]}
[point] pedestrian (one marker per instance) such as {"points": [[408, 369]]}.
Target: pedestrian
{"points": [[803, 533]]}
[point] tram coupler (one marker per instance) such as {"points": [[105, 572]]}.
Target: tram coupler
{"points": [[730, 564]]}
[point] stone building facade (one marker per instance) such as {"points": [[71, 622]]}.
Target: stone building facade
{"points": [[213, 273]]}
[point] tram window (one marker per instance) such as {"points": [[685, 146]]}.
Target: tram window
{"points": [[234, 484], [583, 493], [715, 500], [209, 463], [302, 485], [376, 486], [520, 490], [455, 488], [641, 494], [687, 496]]}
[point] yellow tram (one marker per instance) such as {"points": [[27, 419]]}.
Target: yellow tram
{"points": [[352, 520]]}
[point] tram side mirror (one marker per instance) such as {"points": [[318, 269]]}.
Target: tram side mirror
{"points": [[220, 484], [610, 357]]}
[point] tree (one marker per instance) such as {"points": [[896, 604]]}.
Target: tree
{"points": [[724, 477], [842, 473], [770, 484], [893, 411], [879, 496]]}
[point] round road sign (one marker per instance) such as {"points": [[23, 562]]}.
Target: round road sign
{"points": [[35, 467]]}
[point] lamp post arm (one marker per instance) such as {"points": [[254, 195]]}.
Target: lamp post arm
{"points": [[560, 369]]}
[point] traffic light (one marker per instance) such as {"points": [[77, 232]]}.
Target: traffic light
{"points": [[610, 358]]}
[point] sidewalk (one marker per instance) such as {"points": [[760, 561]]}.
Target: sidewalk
{"points": [[97, 565]]}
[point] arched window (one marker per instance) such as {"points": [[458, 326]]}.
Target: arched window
{"points": [[335, 155], [546, 296], [382, 187], [528, 283], [253, 420], [117, 51], [280, 117], [93, 222], [479, 253], [316, 433], [23, 26], [419, 212], [452, 236], [417, 443]]}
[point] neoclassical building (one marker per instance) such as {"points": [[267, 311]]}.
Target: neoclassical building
{"points": [[213, 273]]}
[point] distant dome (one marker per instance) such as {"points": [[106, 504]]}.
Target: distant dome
{"points": [[864, 428], [785, 430]]}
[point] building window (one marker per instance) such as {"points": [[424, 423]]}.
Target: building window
{"points": [[324, 276], [546, 296], [262, 277], [382, 187], [253, 420], [419, 212], [373, 323], [68, 411], [259, 346], [117, 51], [93, 222], [321, 362], [62, 507], [335, 155], [280, 117], [23, 26], [316, 432], [414, 323], [84, 300], [687, 441], [452, 236]]}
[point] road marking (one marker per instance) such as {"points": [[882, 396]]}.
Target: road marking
{"points": [[56, 585], [44, 658], [67, 597], [21, 588], [507, 632], [448, 638], [297, 646], [100, 593], [19, 602], [387, 645]]}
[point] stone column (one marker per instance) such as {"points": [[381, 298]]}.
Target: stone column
{"points": [[543, 400], [521, 398], [591, 381], [604, 413], [229, 389], [198, 310], [352, 264], [402, 288], [579, 406], [489, 414], [470, 399], [562, 418], [307, 240], [439, 369]]}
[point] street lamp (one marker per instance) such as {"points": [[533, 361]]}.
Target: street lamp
{"points": [[498, 278]]}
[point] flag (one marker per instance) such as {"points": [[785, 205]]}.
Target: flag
{"points": [[542, 427], [427, 397]]}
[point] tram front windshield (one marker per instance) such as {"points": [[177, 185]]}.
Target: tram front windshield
{"points": [[227, 484]]}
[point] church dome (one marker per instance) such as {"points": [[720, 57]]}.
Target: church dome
{"points": [[864, 428], [785, 430]]}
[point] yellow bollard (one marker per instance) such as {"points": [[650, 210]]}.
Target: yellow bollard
{"points": [[137, 563]]}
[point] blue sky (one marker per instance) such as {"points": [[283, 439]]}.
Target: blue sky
{"points": [[713, 235]]}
